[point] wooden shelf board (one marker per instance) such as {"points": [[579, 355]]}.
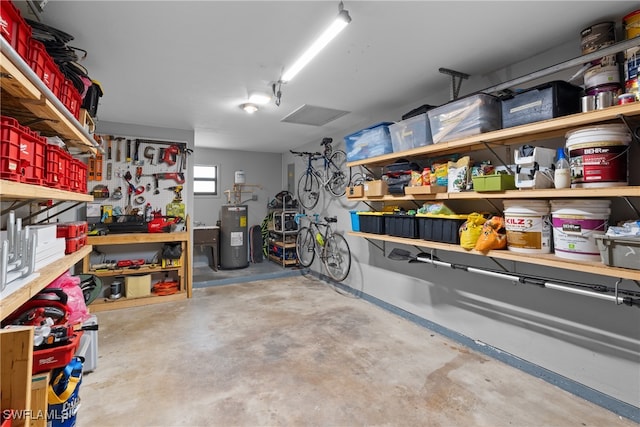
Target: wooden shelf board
{"points": [[624, 191], [106, 304], [286, 262], [547, 260], [132, 271], [132, 238], [285, 245], [20, 191], [546, 129], [47, 275]]}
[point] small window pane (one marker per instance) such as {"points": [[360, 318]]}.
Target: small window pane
{"points": [[204, 187], [204, 172]]}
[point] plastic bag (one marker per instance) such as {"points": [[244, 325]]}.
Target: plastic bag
{"points": [[471, 229], [76, 306], [493, 235]]}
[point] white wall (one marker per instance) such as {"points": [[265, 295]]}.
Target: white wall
{"points": [[589, 341]]}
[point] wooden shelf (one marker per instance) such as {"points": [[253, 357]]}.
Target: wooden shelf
{"points": [[46, 275], [184, 271], [106, 304], [19, 191], [285, 245], [550, 193], [134, 238], [22, 91], [285, 262], [546, 129], [547, 260]]}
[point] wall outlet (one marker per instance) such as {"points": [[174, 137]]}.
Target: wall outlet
{"points": [[254, 197]]}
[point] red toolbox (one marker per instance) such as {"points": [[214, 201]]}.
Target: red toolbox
{"points": [[15, 29], [55, 357], [68, 230], [45, 67], [75, 243], [32, 155]]}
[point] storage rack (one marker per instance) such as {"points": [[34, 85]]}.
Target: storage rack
{"points": [[283, 239]]}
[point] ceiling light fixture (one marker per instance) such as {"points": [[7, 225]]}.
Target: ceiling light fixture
{"points": [[249, 107], [339, 23]]}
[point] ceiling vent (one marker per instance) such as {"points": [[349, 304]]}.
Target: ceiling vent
{"points": [[314, 116]]}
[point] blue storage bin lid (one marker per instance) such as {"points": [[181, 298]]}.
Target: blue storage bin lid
{"points": [[387, 124]]}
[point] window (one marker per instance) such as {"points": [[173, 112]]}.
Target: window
{"points": [[205, 180]]}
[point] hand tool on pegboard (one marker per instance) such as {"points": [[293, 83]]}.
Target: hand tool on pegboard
{"points": [[184, 152], [150, 153], [108, 147], [136, 153], [118, 149], [109, 157], [169, 155], [128, 151]]}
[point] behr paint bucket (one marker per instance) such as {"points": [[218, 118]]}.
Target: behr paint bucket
{"points": [[599, 156], [527, 226], [600, 75], [597, 36], [575, 224]]}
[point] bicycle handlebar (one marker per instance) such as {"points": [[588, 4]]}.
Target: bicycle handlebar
{"points": [[305, 153]]}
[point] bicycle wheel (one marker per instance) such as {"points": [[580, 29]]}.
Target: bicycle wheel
{"points": [[336, 257], [305, 244], [308, 190], [338, 173]]}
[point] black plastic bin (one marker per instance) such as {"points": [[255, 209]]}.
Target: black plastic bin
{"points": [[401, 226], [543, 102], [371, 222], [440, 228]]}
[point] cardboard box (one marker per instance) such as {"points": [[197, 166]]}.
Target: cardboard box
{"points": [[376, 188], [137, 286], [425, 189], [494, 182], [355, 191]]}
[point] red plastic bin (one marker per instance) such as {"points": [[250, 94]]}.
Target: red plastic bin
{"points": [[82, 177], [11, 135], [55, 357], [74, 244], [15, 29], [23, 153], [32, 156], [74, 175], [68, 230], [71, 98], [45, 67], [57, 167]]}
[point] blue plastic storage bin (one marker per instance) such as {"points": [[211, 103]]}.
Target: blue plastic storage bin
{"points": [[370, 142], [355, 221]]}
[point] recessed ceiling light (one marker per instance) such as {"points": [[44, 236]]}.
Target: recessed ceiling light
{"points": [[249, 108]]}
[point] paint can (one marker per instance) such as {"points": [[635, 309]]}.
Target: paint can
{"points": [[527, 226], [631, 66], [599, 156], [631, 24], [575, 225], [597, 36]]}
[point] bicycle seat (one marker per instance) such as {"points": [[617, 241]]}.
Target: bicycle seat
{"points": [[331, 219]]}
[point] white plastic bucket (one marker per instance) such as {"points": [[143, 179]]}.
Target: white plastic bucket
{"points": [[527, 226], [599, 156], [575, 223]]}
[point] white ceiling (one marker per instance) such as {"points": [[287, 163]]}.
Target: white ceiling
{"points": [[190, 64]]}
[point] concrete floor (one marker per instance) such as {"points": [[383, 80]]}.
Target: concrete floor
{"points": [[292, 352]]}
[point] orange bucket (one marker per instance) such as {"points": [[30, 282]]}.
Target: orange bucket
{"points": [[631, 24]]}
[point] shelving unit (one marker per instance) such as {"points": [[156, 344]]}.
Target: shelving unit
{"points": [[538, 131], [136, 239], [284, 239]]}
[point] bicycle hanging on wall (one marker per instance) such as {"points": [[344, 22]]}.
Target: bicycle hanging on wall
{"points": [[332, 248], [334, 176]]}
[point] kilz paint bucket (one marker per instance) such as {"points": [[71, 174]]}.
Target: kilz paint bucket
{"points": [[575, 225], [527, 226], [599, 156]]}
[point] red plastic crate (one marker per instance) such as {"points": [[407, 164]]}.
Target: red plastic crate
{"points": [[68, 230], [71, 98], [57, 167], [14, 28], [45, 67], [23, 153], [32, 157], [73, 244], [74, 178], [82, 177], [11, 136], [55, 357]]}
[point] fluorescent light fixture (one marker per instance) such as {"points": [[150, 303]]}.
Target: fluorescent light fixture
{"points": [[249, 107], [341, 21], [259, 98]]}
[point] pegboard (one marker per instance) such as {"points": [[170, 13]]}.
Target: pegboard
{"points": [[140, 157]]}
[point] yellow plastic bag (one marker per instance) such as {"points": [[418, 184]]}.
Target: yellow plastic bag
{"points": [[493, 235], [471, 229]]}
